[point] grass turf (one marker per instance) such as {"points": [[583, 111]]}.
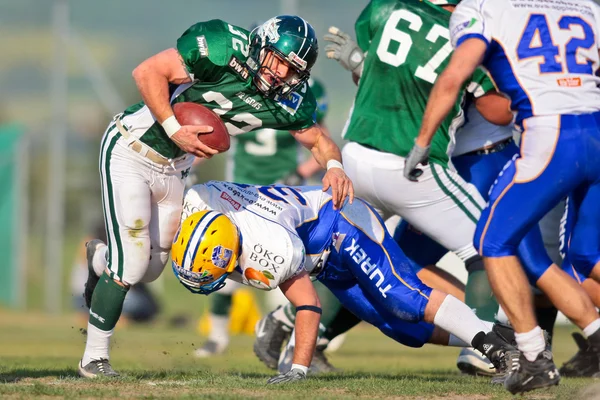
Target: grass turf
{"points": [[39, 355]]}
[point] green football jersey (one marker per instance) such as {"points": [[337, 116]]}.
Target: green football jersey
{"points": [[408, 46], [214, 53], [266, 156]]}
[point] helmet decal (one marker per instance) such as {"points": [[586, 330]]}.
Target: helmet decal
{"points": [[269, 30], [221, 256]]}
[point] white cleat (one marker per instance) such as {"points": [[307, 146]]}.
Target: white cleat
{"points": [[472, 362]]}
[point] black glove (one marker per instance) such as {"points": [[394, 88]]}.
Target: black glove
{"points": [[291, 376]]}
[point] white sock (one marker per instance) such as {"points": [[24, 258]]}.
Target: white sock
{"points": [[457, 318], [219, 329], [99, 261], [502, 317], [591, 328], [531, 343], [96, 345], [280, 315], [453, 341]]}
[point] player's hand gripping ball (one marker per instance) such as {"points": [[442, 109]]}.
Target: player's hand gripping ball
{"points": [[188, 113]]}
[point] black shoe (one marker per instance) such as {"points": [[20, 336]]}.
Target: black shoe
{"points": [[92, 280], [270, 335], [527, 375], [585, 363], [494, 347]]}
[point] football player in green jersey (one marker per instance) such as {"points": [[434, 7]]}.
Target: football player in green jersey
{"points": [[401, 47], [251, 80], [265, 157]]}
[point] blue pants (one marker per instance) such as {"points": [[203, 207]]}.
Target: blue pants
{"points": [[559, 155], [369, 274], [481, 171]]}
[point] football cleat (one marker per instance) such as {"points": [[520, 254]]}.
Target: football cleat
{"points": [[320, 364], [585, 363], [96, 369], [526, 375], [472, 362], [270, 335], [90, 249], [210, 349]]}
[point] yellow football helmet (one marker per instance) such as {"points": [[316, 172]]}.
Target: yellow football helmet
{"points": [[205, 251]]}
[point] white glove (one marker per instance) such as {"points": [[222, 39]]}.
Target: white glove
{"points": [[345, 50], [291, 376]]}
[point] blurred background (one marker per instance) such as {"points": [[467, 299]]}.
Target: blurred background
{"points": [[65, 71]]}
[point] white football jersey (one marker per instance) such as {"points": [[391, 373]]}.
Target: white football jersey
{"points": [[267, 217], [541, 53]]}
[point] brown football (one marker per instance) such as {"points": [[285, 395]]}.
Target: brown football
{"points": [[188, 113]]}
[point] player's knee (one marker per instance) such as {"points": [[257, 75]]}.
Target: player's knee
{"points": [[489, 245], [158, 259], [582, 259]]}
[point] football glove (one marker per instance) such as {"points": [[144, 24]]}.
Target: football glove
{"points": [[416, 155], [291, 376], [345, 50]]}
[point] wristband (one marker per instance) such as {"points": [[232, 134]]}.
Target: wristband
{"points": [[171, 126], [334, 164], [314, 309], [300, 367]]}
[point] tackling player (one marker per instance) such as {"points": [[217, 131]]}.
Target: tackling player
{"points": [[252, 80], [264, 157], [277, 236], [545, 60]]}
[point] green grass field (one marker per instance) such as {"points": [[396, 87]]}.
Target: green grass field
{"points": [[39, 354]]}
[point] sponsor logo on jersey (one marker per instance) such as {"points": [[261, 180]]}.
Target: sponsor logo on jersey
{"points": [[290, 102], [245, 97], [202, 46], [258, 279], [297, 60], [362, 259], [238, 67], [569, 82], [220, 256], [460, 27], [230, 200], [266, 259]]}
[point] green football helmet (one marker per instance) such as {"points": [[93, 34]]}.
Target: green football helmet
{"points": [[289, 38], [321, 95]]}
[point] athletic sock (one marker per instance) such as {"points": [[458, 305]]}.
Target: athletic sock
{"points": [[220, 304], [99, 261], [456, 318], [286, 315], [107, 304], [531, 343], [546, 318], [478, 292], [219, 329], [96, 345], [592, 333]]}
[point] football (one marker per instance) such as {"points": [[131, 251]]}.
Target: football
{"points": [[188, 113]]}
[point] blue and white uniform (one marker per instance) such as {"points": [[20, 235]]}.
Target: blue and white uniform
{"points": [[544, 55], [287, 230]]}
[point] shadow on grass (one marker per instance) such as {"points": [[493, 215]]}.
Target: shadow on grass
{"points": [[18, 374]]}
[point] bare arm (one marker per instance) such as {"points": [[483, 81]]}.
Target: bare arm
{"points": [[495, 108], [152, 78], [325, 150], [300, 292], [443, 96], [310, 167]]}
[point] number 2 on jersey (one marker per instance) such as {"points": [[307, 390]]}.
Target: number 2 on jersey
{"points": [[391, 33], [536, 41]]}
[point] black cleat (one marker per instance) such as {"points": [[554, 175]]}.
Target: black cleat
{"points": [[96, 369], [526, 375], [270, 335], [585, 363], [92, 280]]}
